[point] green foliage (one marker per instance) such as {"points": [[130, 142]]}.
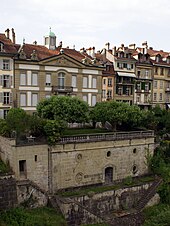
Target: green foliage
{"points": [[117, 113], [17, 120], [69, 109], [4, 168], [53, 130], [37, 125], [4, 130], [128, 180], [39, 217], [157, 215]]}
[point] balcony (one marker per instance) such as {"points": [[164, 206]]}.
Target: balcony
{"points": [[167, 89], [62, 89]]}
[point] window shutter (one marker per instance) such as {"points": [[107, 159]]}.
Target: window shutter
{"points": [[10, 80], [1, 97], [11, 64], [1, 80], [1, 113], [11, 98], [1, 63]]}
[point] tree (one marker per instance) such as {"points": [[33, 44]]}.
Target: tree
{"points": [[117, 113], [69, 109], [17, 120]]}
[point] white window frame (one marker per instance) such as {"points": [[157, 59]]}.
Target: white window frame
{"points": [[48, 79], [94, 100], [85, 82], [94, 83], [6, 64], [23, 79], [23, 99], [110, 82], [74, 81], [85, 98], [34, 79], [34, 102]]}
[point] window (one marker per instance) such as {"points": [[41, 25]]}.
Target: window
{"points": [[119, 91], [34, 79], [94, 81], [46, 41], [138, 86], [5, 113], [129, 66], [160, 96], [155, 96], [93, 100], [109, 94], [138, 98], [5, 81], [1, 47], [74, 81], [110, 82], [23, 99], [85, 82], [162, 71], [146, 87], [48, 80], [7, 97], [127, 91], [138, 73], [61, 78], [156, 70], [34, 99], [85, 98], [22, 79], [146, 98], [155, 84], [161, 84], [6, 65], [104, 93], [146, 74], [104, 81]]}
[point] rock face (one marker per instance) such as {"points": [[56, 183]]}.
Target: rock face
{"points": [[8, 192]]}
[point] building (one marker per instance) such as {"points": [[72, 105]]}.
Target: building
{"points": [[8, 49], [161, 77], [41, 72], [124, 66], [144, 78]]}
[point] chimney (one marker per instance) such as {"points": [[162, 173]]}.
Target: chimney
{"points": [[7, 33], [89, 51], [60, 44], [107, 45], [114, 51], [122, 46], [13, 36], [145, 44], [35, 42], [132, 46], [93, 52]]}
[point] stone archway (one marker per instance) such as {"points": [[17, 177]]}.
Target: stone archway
{"points": [[108, 175]]}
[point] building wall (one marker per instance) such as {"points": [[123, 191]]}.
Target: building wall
{"points": [[77, 164], [85, 163]]}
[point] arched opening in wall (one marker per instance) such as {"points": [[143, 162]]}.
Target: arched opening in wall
{"points": [[109, 175]]}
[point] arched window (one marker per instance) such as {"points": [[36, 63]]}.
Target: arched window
{"points": [[61, 77]]}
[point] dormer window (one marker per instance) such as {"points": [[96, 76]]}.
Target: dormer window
{"points": [[121, 55], [168, 60], [158, 58]]}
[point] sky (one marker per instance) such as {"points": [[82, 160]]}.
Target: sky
{"points": [[88, 23]]}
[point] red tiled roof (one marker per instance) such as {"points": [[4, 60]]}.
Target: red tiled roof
{"points": [[9, 47]]}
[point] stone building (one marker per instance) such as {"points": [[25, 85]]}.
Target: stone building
{"points": [[79, 160]]}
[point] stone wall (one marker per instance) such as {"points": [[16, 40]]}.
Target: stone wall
{"points": [[77, 164], [8, 192], [101, 206], [81, 164]]}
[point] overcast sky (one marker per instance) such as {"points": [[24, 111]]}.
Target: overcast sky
{"points": [[87, 23]]}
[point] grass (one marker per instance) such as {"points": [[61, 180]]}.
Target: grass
{"points": [[4, 168], [34, 217], [99, 189], [77, 131], [158, 215]]}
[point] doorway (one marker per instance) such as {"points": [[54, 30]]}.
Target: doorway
{"points": [[109, 175]]}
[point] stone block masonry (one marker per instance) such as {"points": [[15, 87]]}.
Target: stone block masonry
{"points": [[8, 192]]}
